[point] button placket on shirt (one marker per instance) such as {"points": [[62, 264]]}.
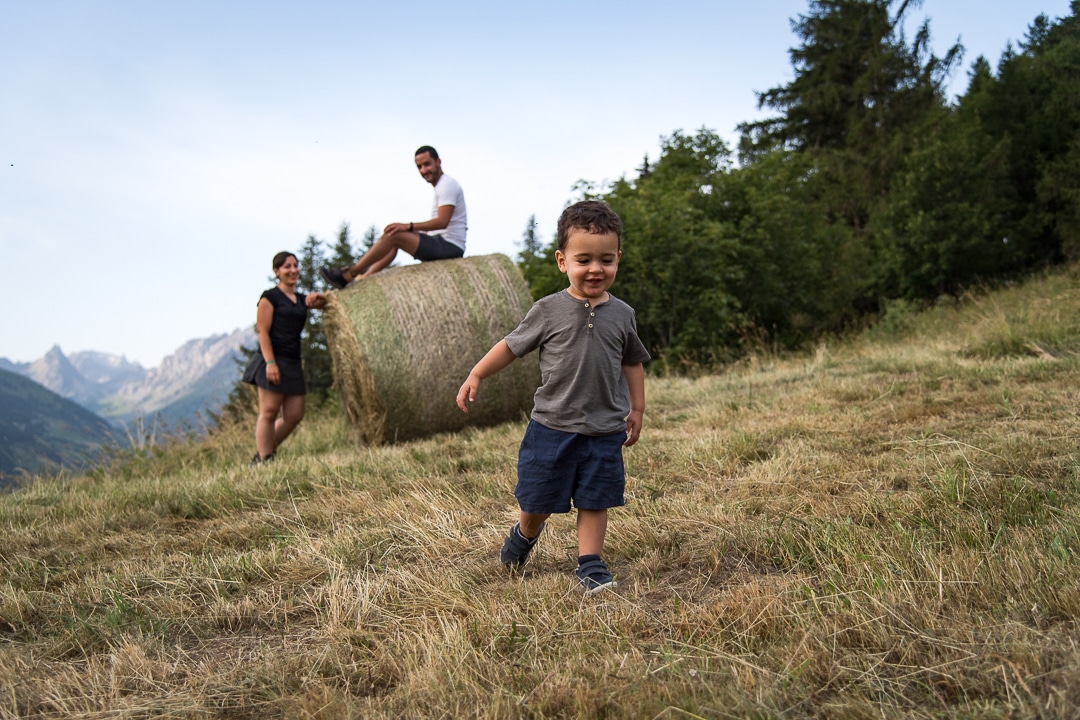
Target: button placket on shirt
{"points": [[592, 313]]}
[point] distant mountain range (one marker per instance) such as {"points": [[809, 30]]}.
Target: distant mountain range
{"points": [[192, 381], [178, 394]]}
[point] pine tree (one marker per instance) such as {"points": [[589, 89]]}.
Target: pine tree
{"points": [[318, 369], [1035, 105], [369, 238], [537, 263], [861, 94], [856, 78], [341, 254], [530, 249], [990, 191]]}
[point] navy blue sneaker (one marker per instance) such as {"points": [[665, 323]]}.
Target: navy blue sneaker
{"points": [[594, 576], [516, 548]]}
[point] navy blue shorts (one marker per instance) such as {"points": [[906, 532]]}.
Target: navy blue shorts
{"points": [[433, 247], [555, 467]]}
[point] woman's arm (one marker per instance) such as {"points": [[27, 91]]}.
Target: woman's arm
{"points": [[263, 320]]}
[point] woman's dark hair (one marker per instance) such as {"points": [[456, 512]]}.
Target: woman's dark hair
{"points": [[281, 258]]}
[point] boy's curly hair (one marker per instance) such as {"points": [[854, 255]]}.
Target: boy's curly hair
{"points": [[592, 216]]}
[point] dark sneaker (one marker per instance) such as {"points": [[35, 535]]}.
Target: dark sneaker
{"points": [[516, 548], [594, 576], [259, 459], [333, 276]]}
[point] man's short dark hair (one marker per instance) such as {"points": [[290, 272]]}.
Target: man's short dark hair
{"points": [[427, 149], [592, 216]]}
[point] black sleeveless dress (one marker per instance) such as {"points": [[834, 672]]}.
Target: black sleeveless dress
{"points": [[285, 328]]}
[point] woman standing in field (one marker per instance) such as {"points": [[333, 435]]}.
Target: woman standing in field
{"points": [[276, 369]]}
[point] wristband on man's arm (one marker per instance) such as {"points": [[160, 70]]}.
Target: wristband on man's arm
{"points": [[271, 361]]}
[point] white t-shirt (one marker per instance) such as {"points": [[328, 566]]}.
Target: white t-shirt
{"points": [[448, 192]]}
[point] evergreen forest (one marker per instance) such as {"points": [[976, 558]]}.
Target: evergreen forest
{"points": [[867, 188]]}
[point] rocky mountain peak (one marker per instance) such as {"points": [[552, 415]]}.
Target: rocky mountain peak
{"points": [[105, 369], [54, 371]]}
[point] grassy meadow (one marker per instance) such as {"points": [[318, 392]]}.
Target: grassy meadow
{"points": [[885, 526]]}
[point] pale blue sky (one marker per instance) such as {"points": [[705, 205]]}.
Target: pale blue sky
{"points": [[155, 155]]}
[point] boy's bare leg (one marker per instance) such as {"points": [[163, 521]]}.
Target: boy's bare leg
{"points": [[530, 523], [591, 529]]}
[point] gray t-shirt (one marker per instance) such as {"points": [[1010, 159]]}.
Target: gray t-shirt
{"points": [[582, 350]]}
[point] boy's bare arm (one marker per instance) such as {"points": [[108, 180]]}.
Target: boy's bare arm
{"points": [[496, 359], [635, 380]]}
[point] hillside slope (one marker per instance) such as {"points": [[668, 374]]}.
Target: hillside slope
{"points": [[887, 526], [43, 432]]}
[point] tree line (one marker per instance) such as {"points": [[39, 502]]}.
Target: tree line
{"points": [[867, 187]]}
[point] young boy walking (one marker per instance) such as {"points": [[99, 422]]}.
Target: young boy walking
{"points": [[591, 397]]}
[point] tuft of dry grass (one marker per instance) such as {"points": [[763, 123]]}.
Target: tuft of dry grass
{"points": [[887, 526]]}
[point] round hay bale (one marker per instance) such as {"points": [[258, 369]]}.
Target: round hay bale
{"points": [[403, 340]]}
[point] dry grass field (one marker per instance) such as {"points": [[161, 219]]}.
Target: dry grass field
{"points": [[885, 527]]}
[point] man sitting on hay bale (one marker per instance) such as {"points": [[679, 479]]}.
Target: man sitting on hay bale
{"points": [[440, 238]]}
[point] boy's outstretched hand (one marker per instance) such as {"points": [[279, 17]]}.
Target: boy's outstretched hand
{"points": [[468, 390], [633, 427], [635, 381], [496, 359]]}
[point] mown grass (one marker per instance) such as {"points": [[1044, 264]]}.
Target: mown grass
{"points": [[887, 526]]}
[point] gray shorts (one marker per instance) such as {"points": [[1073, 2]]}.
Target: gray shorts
{"points": [[433, 247]]}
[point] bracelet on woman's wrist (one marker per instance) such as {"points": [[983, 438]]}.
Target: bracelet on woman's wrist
{"points": [[271, 361]]}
